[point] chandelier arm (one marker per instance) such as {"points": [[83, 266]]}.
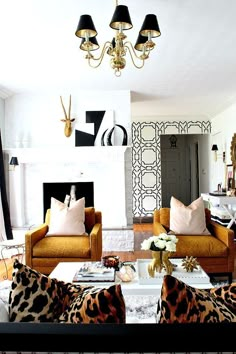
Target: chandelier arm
{"points": [[131, 53], [129, 45], [100, 58]]}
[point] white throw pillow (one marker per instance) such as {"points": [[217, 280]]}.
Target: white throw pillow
{"points": [[188, 220], [67, 220]]}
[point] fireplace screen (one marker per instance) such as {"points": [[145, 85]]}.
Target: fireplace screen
{"points": [[59, 191]]}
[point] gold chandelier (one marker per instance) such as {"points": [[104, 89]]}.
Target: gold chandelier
{"points": [[118, 47]]}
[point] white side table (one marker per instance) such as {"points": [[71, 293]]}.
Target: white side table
{"points": [[18, 246], [225, 202]]}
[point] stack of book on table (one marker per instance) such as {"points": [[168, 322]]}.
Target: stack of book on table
{"points": [[94, 272]]}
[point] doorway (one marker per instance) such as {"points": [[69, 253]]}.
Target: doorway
{"points": [[179, 168]]}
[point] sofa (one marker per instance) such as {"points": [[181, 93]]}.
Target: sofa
{"points": [[216, 336], [44, 253], [214, 252]]}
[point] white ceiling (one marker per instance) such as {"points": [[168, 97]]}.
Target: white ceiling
{"points": [[190, 73]]}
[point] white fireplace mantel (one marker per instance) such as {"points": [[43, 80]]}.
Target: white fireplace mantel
{"points": [[68, 154], [105, 166]]}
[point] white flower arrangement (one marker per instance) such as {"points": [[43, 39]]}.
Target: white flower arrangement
{"points": [[162, 242]]}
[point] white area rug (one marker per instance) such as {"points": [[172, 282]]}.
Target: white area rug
{"points": [[118, 240], [141, 309]]}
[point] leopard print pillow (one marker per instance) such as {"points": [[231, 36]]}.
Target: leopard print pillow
{"points": [[97, 306], [181, 303], [35, 297], [226, 295]]}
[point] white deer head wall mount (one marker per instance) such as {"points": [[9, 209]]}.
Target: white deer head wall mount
{"points": [[67, 120]]}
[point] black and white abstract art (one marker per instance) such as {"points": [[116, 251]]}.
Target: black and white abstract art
{"points": [[94, 131]]}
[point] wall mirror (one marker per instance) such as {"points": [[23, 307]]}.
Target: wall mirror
{"points": [[233, 157], [233, 150]]}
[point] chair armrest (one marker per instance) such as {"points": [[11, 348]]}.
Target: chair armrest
{"points": [[222, 233], [158, 228], [96, 242], [31, 238], [226, 236]]}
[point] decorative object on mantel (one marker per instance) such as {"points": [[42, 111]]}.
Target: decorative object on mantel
{"points": [[118, 47], [161, 247], [97, 123], [190, 263], [67, 120], [109, 136]]}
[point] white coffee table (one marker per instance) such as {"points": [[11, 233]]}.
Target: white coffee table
{"points": [[65, 271], [140, 299]]}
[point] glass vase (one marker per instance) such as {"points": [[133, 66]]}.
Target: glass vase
{"points": [[160, 261]]}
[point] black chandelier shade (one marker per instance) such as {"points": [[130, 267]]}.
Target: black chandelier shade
{"points": [[139, 45], [119, 47], [93, 44], [110, 49], [121, 16], [150, 25], [85, 27]]}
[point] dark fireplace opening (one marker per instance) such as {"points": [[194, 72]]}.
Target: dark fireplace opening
{"points": [[59, 190]]}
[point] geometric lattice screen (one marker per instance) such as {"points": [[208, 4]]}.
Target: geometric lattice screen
{"points": [[146, 161]]}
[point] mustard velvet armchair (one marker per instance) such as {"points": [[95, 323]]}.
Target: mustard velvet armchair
{"points": [[44, 253], [214, 252]]}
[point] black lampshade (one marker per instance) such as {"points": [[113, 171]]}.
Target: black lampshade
{"points": [[150, 24], [94, 44], [14, 161], [214, 147], [121, 15], [85, 27], [140, 43], [110, 50]]}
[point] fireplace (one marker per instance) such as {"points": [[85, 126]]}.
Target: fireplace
{"points": [[107, 170], [59, 190]]}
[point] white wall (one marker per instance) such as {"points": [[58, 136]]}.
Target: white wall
{"points": [[204, 159], [146, 159], [34, 120], [223, 129], [35, 134]]}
